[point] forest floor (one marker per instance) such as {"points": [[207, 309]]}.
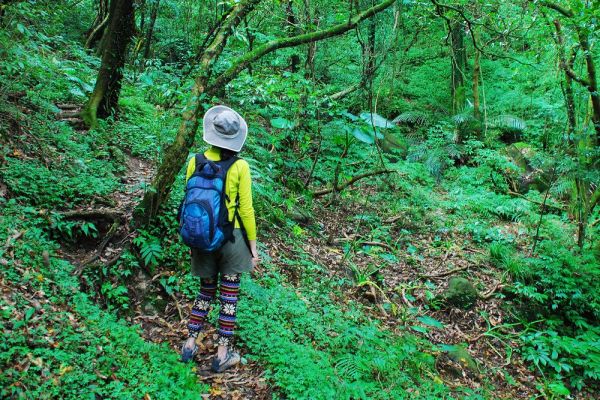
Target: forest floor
{"points": [[406, 282]]}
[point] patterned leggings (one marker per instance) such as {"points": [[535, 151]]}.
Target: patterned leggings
{"points": [[230, 288]]}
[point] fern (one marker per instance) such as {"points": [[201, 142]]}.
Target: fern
{"points": [[348, 368], [463, 117], [507, 122], [418, 118]]}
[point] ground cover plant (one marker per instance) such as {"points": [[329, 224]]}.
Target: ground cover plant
{"points": [[426, 183]]}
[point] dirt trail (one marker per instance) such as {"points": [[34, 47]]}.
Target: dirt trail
{"points": [[159, 324]]}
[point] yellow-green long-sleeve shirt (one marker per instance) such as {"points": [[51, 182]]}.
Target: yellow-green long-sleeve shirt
{"points": [[238, 181]]}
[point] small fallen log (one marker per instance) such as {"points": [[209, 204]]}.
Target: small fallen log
{"points": [[111, 214]]}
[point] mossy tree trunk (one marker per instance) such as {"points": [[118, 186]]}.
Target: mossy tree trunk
{"points": [[458, 58], [105, 97], [292, 27], [476, 76], [591, 81], [205, 86]]}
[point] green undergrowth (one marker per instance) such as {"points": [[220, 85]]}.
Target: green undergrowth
{"points": [[66, 346], [312, 349]]}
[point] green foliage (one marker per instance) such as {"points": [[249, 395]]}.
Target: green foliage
{"points": [[67, 347], [457, 182], [150, 248], [318, 351]]}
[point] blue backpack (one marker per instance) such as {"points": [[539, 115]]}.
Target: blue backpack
{"points": [[203, 216]]}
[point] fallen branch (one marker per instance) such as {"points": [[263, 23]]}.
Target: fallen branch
{"points": [[378, 244], [443, 274], [539, 203], [493, 291], [393, 219], [351, 181], [179, 311], [345, 92]]}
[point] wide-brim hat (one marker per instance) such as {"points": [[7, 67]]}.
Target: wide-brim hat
{"points": [[225, 128]]}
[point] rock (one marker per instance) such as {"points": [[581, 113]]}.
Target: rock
{"points": [[456, 358], [393, 142], [527, 177], [460, 293]]}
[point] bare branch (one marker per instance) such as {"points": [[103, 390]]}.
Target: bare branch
{"points": [[351, 181]]}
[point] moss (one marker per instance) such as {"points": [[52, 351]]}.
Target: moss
{"points": [[460, 293]]}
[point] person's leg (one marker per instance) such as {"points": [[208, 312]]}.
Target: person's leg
{"points": [[230, 287], [200, 309]]}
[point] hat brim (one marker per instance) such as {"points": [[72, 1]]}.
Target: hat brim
{"points": [[211, 135]]}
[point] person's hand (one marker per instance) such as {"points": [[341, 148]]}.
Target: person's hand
{"points": [[255, 260]]}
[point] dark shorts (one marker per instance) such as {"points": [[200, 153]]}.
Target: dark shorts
{"points": [[232, 258]]}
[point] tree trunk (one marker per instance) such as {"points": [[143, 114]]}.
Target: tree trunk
{"points": [[96, 31], [592, 82], [476, 74], [309, 64], [369, 57], [251, 38], [176, 153], [291, 26], [458, 58], [150, 31], [105, 98]]}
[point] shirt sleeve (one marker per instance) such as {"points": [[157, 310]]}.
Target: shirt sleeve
{"points": [[246, 209], [190, 168]]}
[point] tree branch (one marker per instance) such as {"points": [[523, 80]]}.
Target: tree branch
{"points": [[345, 92], [349, 182], [567, 12], [244, 61]]}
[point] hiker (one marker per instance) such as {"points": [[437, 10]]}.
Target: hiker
{"points": [[225, 130]]}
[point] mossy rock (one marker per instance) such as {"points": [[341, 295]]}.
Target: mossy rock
{"points": [[521, 154], [393, 142], [456, 358], [460, 293]]}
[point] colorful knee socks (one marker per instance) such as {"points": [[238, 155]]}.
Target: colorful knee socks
{"points": [[230, 289], [201, 307]]}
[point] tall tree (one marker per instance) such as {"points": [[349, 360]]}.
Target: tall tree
{"points": [[458, 60], [206, 85], [150, 30], [582, 31], [105, 97], [292, 28]]}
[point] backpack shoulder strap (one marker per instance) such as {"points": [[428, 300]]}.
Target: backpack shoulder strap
{"points": [[228, 163], [201, 160]]}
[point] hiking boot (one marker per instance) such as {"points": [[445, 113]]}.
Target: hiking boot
{"points": [[188, 352], [231, 358]]}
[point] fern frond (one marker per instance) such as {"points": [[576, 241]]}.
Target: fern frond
{"points": [[348, 368], [412, 117], [455, 151], [462, 118], [508, 122]]}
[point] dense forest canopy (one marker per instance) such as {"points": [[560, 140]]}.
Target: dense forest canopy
{"points": [[427, 188]]}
